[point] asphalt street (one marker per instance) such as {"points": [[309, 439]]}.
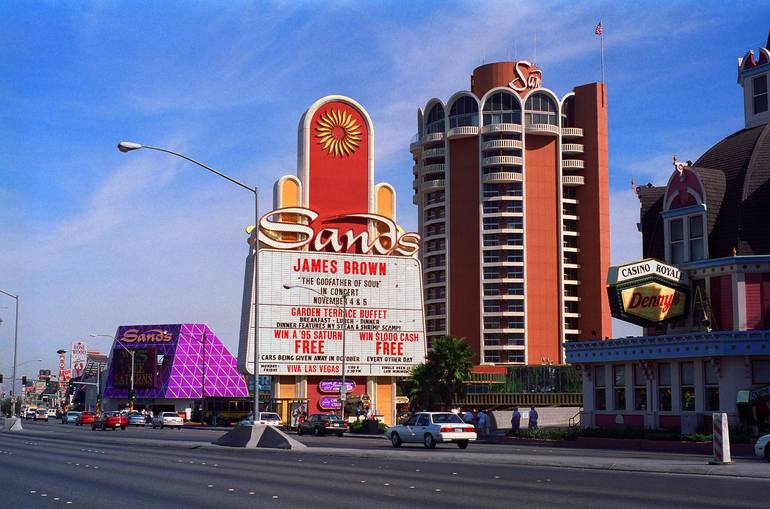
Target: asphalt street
{"points": [[51, 465]]}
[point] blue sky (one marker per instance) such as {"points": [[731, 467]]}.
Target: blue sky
{"points": [[92, 238]]}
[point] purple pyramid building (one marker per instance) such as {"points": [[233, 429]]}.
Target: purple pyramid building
{"points": [[169, 363]]}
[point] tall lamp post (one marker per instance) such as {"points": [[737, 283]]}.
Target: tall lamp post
{"points": [[344, 309], [15, 347], [127, 146], [132, 353]]}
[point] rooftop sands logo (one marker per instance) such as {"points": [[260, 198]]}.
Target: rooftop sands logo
{"points": [[148, 336], [526, 76]]}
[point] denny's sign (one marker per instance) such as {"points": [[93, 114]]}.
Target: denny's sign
{"points": [[647, 292]]}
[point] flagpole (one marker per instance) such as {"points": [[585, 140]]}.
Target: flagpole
{"points": [[601, 44]]}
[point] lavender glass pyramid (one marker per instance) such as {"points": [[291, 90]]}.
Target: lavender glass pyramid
{"points": [[181, 373]]}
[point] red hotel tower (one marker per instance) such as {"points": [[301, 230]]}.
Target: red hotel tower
{"points": [[511, 183]]}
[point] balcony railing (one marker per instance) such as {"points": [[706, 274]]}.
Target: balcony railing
{"points": [[571, 132], [502, 161], [548, 129], [573, 180], [501, 128], [574, 164], [502, 177], [501, 144], [462, 131]]}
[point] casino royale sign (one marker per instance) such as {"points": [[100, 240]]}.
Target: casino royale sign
{"points": [[374, 303], [647, 292]]}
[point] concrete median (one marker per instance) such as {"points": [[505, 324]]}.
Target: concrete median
{"points": [[258, 436]]}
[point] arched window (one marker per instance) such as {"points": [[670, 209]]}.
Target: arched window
{"points": [[540, 109], [435, 121], [464, 111], [502, 108]]}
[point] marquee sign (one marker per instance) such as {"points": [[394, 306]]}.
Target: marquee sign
{"points": [[647, 292], [302, 328], [333, 232]]}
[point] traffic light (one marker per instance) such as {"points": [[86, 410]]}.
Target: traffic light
{"points": [[24, 380], [71, 385], [132, 395]]}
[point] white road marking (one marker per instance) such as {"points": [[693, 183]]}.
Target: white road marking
{"points": [[438, 489]]}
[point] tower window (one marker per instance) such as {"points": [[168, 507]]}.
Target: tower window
{"points": [[502, 108], [464, 112], [760, 94], [540, 109]]}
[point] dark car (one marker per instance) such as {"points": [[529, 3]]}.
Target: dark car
{"points": [[85, 418], [322, 424], [112, 420]]}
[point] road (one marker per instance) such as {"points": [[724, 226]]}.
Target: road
{"points": [[53, 465]]}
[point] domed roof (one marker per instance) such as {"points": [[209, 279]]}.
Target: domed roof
{"points": [[735, 174]]}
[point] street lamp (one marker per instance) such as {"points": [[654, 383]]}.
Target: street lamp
{"points": [[131, 353], [344, 309], [15, 347], [127, 146]]}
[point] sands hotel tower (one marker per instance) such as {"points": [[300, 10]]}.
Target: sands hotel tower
{"points": [[511, 184]]}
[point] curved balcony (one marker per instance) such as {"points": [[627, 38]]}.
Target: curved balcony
{"points": [[573, 180], [501, 128], [433, 152], [433, 185], [572, 164], [571, 148], [415, 147], [502, 144], [433, 137], [415, 169], [464, 131], [547, 129], [571, 132], [415, 199], [433, 168], [502, 161], [502, 177]]}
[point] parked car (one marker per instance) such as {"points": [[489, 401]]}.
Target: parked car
{"points": [[762, 447], [136, 419], [431, 428], [69, 417], [29, 413], [322, 424], [167, 420], [269, 418], [109, 420], [41, 414], [85, 418]]}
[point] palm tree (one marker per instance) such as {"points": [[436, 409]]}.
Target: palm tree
{"points": [[441, 377]]}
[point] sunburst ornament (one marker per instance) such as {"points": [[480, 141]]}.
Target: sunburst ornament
{"points": [[338, 133]]}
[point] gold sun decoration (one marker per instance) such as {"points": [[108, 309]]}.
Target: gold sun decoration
{"points": [[338, 133]]}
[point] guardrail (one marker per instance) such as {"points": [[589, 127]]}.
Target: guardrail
{"points": [[522, 399]]}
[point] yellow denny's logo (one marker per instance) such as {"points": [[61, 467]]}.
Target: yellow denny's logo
{"points": [[653, 302], [338, 133], [148, 336]]}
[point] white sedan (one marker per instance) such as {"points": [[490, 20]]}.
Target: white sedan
{"points": [[762, 447], [167, 420], [431, 428]]}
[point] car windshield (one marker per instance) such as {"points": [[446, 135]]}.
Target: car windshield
{"points": [[270, 417], [332, 417], [447, 418], [169, 414]]}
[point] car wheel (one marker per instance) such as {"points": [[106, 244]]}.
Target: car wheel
{"points": [[340, 434], [299, 431], [767, 452], [162, 426], [395, 439], [429, 441], [153, 426], [317, 431], [123, 428], [462, 444]]}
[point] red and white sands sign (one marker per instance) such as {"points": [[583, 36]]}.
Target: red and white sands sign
{"points": [[78, 357]]}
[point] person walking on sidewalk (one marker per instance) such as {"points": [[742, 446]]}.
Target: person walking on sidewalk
{"points": [[482, 426], [533, 418], [515, 422]]}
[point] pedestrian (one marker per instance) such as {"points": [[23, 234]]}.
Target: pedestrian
{"points": [[468, 416], [483, 423], [532, 418], [515, 421], [760, 407]]}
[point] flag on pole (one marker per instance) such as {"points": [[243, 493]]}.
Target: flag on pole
{"points": [[599, 30]]}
